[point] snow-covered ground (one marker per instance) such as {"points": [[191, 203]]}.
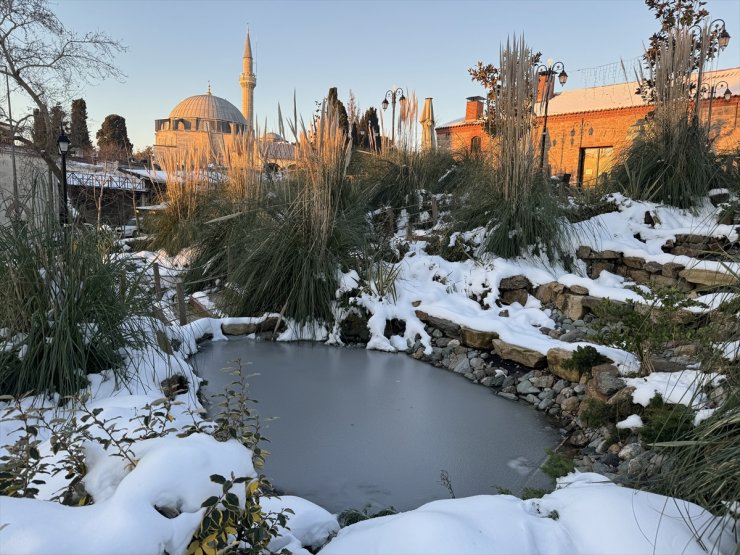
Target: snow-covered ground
{"points": [[586, 514]]}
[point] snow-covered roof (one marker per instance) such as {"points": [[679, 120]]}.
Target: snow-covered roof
{"points": [[623, 95]]}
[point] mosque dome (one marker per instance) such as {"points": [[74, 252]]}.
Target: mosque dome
{"points": [[207, 106]]}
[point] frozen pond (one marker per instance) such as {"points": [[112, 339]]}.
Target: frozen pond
{"points": [[354, 427]]}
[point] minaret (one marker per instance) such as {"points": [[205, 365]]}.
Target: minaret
{"points": [[248, 81]]}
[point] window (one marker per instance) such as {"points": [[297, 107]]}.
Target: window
{"points": [[474, 145], [595, 164]]}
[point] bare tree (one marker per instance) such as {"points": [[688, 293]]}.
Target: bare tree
{"points": [[47, 63]]}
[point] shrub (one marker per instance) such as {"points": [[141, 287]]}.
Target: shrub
{"points": [[665, 422], [557, 465], [596, 413], [67, 307], [585, 358]]}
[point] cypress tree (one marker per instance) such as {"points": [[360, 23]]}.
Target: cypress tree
{"points": [[78, 132], [113, 139]]}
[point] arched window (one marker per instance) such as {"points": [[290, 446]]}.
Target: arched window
{"points": [[475, 145]]}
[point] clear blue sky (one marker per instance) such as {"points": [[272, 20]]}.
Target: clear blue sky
{"points": [[176, 47]]}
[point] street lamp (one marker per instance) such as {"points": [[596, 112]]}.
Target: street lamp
{"points": [[549, 70], [716, 30], [392, 93], [710, 92], [63, 146]]}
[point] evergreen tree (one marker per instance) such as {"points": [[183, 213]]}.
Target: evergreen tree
{"points": [[368, 130], [332, 100], [38, 133], [113, 139], [41, 138], [78, 132]]}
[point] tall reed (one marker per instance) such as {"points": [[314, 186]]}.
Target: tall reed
{"points": [[672, 154]]}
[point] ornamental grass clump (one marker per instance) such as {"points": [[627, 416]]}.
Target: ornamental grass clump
{"points": [[284, 254], [515, 201], [68, 308], [671, 159]]}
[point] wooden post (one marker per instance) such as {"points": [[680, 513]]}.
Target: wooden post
{"points": [[157, 281], [390, 221], [181, 309], [435, 210]]}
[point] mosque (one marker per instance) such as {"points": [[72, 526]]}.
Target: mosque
{"points": [[208, 122]]}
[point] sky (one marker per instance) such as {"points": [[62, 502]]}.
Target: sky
{"points": [[174, 48]]}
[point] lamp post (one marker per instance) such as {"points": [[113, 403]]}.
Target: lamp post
{"points": [[549, 70], [716, 30], [63, 146], [16, 196], [392, 93], [711, 91]]}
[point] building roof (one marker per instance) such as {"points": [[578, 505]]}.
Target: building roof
{"points": [[459, 122], [623, 95], [208, 106]]}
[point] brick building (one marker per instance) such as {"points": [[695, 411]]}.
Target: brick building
{"points": [[589, 128]]}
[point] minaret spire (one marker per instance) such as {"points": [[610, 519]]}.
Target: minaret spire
{"points": [[248, 81]]}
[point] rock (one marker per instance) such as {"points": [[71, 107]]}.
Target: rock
{"points": [[606, 379], [610, 459], [622, 399], [477, 363], [663, 365], [635, 467], [573, 336], [545, 404], [653, 267], [163, 342], [543, 382], [442, 341], [353, 329], [578, 439], [606, 255], [595, 268], [477, 339], [559, 386], [532, 399], [630, 451], [522, 355], [493, 381], [515, 282], [671, 269], [462, 366], [579, 389], [578, 290], [174, 386], [584, 252], [707, 277], [238, 329], [548, 292], [720, 197], [570, 405], [509, 396], [525, 387], [449, 328], [593, 393], [514, 296], [556, 358], [634, 262], [573, 307], [504, 314]]}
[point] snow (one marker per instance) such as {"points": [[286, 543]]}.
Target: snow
{"points": [[632, 422], [685, 387], [587, 514]]}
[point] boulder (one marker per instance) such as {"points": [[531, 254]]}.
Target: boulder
{"points": [[238, 329], [515, 282], [653, 267], [450, 329], [593, 393], [584, 252], [634, 262], [556, 358], [477, 339], [570, 405], [578, 290], [543, 382], [599, 266], [525, 387], [514, 296], [671, 269], [548, 292], [521, 355], [573, 307], [707, 277], [606, 379]]}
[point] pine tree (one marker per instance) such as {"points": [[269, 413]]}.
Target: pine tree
{"points": [[79, 135], [113, 139]]}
